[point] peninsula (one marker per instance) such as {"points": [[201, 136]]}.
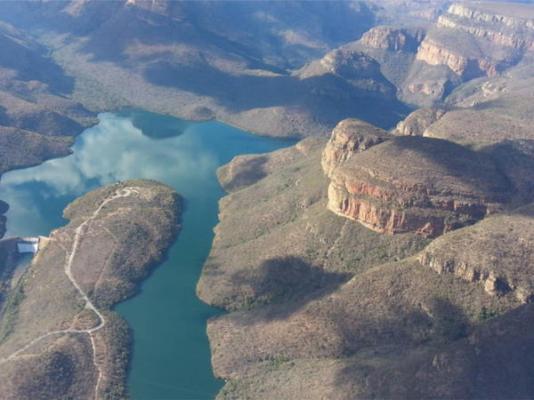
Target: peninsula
{"points": [[59, 337]]}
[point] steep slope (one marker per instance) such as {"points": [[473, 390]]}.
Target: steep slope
{"points": [[471, 40], [33, 89], [495, 252]]}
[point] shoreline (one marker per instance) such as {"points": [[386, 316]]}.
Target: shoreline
{"points": [[111, 377]]}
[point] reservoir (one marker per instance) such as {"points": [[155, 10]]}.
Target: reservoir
{"points": [[171, 357]]}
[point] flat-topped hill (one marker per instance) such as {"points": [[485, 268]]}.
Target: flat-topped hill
{"points": [[416, 184]]}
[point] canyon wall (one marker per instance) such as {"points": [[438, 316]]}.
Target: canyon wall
{"points": [[409, 184]]}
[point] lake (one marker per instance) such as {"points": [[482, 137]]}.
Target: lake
{"points": [[171, 357]]}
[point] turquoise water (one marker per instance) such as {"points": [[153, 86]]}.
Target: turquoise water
{"points": [[171, 358]]}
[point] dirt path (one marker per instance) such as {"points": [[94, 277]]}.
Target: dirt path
{"points": [[79, 231]]}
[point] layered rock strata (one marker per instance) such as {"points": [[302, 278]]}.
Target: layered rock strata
{"points": [[498, 252], [349, 137], [412, 184], [479, 39], [418, 121]]}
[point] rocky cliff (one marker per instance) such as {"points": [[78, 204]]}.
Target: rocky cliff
{"points": [[412, 184], [393, 39], [475, 39], [349, 137], [498, 252], [351, 66]]}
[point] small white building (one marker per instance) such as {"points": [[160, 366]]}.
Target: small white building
{"points": [[28, 245]]}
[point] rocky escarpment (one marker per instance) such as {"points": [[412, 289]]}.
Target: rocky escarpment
{"points": [[413, 184], [516, 22], [499, 252], [468, 40], [349, 137], [276, 240], [324, 308], [434, 53], [393, 39], [351, 66], [478, 39]]}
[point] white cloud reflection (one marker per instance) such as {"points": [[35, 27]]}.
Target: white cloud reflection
{"points": [[110, 151]]}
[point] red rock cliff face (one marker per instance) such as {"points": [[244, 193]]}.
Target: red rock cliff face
{"points": [[409, 184]]}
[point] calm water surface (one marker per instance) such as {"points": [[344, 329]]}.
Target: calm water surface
{"points": [[171, 358]]}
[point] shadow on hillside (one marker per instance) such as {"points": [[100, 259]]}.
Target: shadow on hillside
{"points": [[441, 321], [32, 64], [155, 126], [495, 362], [515, 159], [253, 30], [328, 97], [251, 172], [289, 282], [477, 170], [140, 37]]}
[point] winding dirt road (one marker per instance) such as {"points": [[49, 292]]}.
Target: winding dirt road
{"points": [[79, 231]]}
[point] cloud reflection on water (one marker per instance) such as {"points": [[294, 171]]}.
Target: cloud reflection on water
{"points": [[110, 151]]}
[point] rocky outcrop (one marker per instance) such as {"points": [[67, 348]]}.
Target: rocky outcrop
{"points": [[468, 41], [349, 137], [393, 39], [498, 252], [429, 88], [414, 184], [516, 16], [500, 38], [277, 241], [418, 121], [479, 39], [434, 53], [352, 67]]}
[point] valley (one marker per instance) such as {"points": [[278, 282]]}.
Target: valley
{"points": [[326, 199]]}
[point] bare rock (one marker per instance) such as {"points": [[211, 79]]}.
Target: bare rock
{"points": [[349, 137], [414, 184], [498, 252]]}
